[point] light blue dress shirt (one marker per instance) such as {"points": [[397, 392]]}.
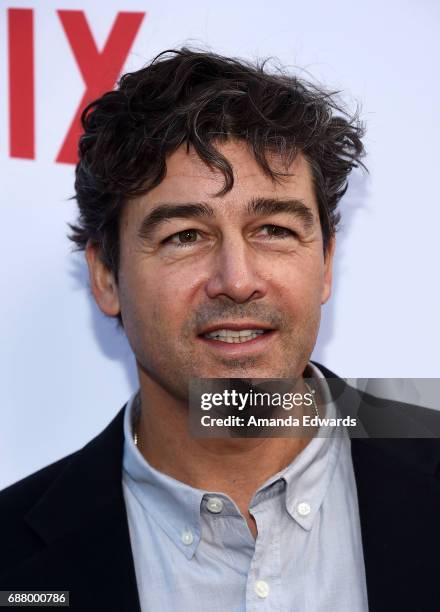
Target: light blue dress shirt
{"points": [[193, 550]]}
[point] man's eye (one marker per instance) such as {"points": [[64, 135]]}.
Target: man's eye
{"points": [[276, 231], [183, 238]]}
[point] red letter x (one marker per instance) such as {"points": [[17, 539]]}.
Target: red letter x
{"points": [[99, 70]]}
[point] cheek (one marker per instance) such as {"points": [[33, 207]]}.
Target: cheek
{"points": [[300, 284], [163, 298]]}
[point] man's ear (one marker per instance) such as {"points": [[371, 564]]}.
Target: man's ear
{"points": [[102, 282], [328, 270]]}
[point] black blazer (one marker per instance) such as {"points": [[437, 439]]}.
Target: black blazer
{"points": [[65, 527]]}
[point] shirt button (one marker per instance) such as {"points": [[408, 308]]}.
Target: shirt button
{"points": [[214, 505], [262, 589], [187, 538], [303, 509]]}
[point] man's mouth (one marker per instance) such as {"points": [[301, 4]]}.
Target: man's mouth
{"points": [[233, 336], [253, 334]]}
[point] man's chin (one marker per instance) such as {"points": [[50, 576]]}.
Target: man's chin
{"points": [[245, 369]]}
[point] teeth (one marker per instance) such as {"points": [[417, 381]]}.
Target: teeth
{"points": [[234, 337]]}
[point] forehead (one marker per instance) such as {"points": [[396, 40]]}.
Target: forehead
{"points": [[189, 179]]}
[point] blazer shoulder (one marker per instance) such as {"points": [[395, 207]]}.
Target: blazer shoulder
{"points": [[61, 497], [20, 496], [18, 539]]}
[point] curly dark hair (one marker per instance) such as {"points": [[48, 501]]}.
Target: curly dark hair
{"points": [[196, 98]]}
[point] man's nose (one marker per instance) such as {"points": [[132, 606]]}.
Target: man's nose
{"points": [[235, 273]]}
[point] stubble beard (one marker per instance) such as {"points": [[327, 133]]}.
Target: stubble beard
{"points": [[175, 368]]}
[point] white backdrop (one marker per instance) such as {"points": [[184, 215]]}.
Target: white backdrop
{"points": [[65, 370]]}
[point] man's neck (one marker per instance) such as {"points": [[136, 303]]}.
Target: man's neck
{"points": [[234, 466]]}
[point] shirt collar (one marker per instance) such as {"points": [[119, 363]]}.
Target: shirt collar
{"points": [[310, 473], [176, 506], [307, 477]]}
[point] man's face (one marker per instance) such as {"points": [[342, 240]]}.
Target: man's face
{"points": [[227, 286]]}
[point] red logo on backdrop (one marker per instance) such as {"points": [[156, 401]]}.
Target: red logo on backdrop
{"points": [[99, 70]]}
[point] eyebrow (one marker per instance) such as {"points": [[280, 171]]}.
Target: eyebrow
{"points": [[165, 212], [256, 207], [271, 206]]}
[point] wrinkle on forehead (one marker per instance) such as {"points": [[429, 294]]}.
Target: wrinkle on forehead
{"points": [[185, 162], [190, 179]]}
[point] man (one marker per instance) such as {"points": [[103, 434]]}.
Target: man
{"points": [[208, 192]]}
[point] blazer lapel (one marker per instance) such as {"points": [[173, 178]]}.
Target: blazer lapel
{"points": [[82, 522], [398, 487], [399, 508]]}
